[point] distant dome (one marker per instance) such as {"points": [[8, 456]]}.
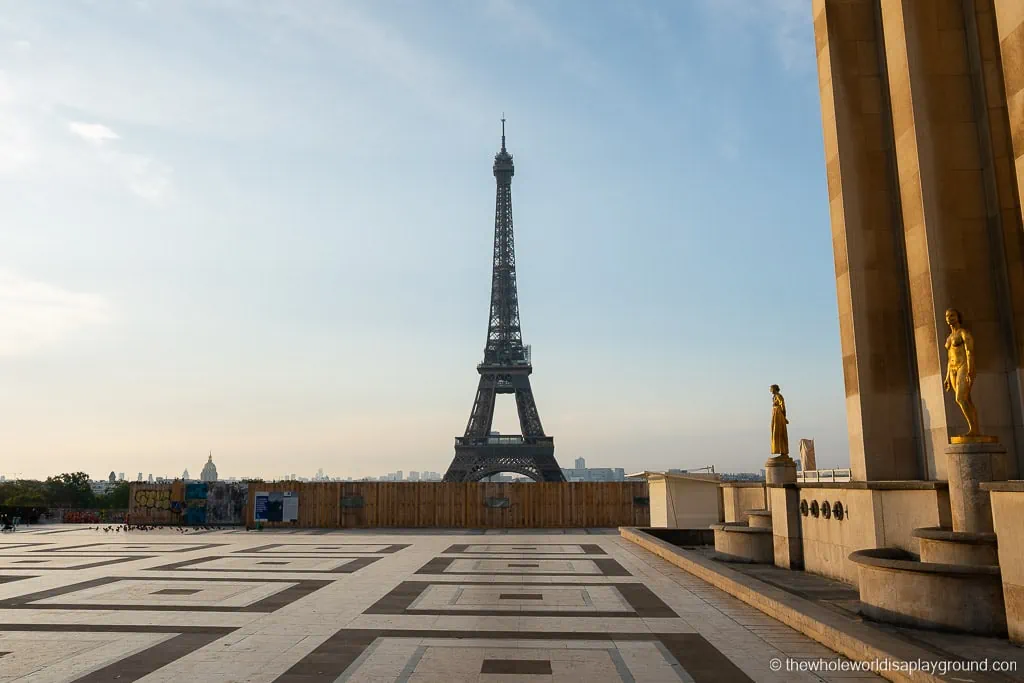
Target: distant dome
{"points": [[209, 470]]}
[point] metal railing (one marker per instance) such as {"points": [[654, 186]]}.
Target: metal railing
{"points": [[499, 440], [825, 476]]}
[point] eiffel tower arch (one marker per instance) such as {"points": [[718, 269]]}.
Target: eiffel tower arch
{"points": [[506, 367]]}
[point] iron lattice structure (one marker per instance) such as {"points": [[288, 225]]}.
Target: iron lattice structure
{"points": [[506, 367]]}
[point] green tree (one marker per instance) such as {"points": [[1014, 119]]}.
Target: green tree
{"points": [[70, 490], [116, 497], [23, 493]]}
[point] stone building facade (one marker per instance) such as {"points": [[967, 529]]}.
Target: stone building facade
{"points": [[923, 116]]}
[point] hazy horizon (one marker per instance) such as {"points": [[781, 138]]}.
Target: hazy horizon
{"points": [[263, 228]]}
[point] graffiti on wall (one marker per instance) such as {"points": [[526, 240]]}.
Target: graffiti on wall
{"points": [[191, 503], [153, 499], [225, 503]]}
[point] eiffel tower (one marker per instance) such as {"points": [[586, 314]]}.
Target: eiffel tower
{"points": [[505, 369]]}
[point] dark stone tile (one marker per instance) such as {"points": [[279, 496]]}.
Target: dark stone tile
{"points": [[643, 600], [523, 564], [148, 547], [297, 589], [701, 659], [354, 565], [176, 591], [521, 596], [99, 562], [522, 667], [136, 666], [398, 600], [437, 565], [610, 567], [326, 663], [143, 663], [9, 579], [313, 548]]}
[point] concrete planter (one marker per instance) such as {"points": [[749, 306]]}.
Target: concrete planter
{"points": [[944, 546], [741, 543], [897, 588], [759, 519]]}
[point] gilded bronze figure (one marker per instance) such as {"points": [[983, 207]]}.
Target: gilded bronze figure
{"points": [[961, 368], [780, 434]]}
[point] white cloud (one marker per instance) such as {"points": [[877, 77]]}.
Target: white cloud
{"points": [[34, 315], [143, 176], [96, 133]]}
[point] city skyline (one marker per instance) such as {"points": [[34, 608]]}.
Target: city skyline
{"points": [[276, 243]]}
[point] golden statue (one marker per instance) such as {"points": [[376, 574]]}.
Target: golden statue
{"points": [[780, 435], [961, 368]]}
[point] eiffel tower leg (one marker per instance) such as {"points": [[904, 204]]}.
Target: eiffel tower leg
{"points": [[479, 426], [482, 416], [529, 418]]}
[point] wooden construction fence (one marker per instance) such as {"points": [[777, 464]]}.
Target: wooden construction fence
{"points": [[151, 503], [477, 505]]}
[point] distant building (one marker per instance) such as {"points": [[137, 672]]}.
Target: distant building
{"points": [[184, 475], [140, 476], [414, 476], [120, 476], [100, 488], [581, 463], [150, 478], [209, 472], [594, 473], [112, 479], [743, 476]]}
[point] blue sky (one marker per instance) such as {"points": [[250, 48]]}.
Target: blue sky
{"points": [[263, 228]]}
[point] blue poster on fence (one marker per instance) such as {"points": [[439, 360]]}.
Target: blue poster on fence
{"points": [[195, 491]]}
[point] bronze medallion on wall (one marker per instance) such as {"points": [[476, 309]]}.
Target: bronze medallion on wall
{"points": [[803, 507], [814, 509]]}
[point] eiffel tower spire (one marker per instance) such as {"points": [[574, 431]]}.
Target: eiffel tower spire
{"points": [[506, 366], [504, 335]]}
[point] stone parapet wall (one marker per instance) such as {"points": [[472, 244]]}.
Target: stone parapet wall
{"points": [[868, 515], [739, 497], [1008, 520]]}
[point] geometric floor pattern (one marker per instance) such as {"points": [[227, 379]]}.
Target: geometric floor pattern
{"points": [[416, 607]]}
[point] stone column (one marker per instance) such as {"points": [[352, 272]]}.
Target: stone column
{"points": [[951, 257], [867, 241], [1001, 38], [968, 466]]}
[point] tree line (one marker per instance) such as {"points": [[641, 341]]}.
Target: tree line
{"points": [[68, 490]]}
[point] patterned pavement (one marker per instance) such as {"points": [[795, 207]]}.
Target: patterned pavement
{"points": [[315, 606]]}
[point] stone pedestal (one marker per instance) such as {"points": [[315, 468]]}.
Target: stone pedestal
{"points": [[786, 528], [780, 470], [967, 466]]}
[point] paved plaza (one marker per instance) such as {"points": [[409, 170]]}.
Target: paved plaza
{"points": [[309, 606]]}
